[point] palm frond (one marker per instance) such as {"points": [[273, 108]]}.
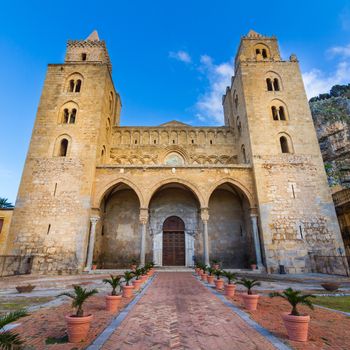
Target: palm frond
{"points": [[12, 317], [9, 339]]}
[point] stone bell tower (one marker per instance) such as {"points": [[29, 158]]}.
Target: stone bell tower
{"points": [[268, 109], [78, 107]]}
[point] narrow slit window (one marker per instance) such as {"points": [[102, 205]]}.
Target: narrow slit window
{"points": [[72, 116], [83, 56], [65, 115], [301, 232], [269, 84], [78, 86], [54, 191], [276, 85], [48, 229], [274, 113], [284, 144], [63, 148], [282, 114], [71, 85]]}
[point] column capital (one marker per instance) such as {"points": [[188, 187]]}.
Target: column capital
{"points": [[94, 219], [143, 215], [253, 212], [205, 214]]}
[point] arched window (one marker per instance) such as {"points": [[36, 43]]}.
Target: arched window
{"points": [[78, 86], [276, 85], [274, 113], [264, 53], [72, 116], [239, 126], [257, 51], [261, 51], [284, 145], [269, 84], [63, 148], [236, 101], [282, 115], [71, 85], [65, 115], [83, 56]]}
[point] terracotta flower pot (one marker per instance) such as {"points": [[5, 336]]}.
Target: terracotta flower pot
{"points": [[113, 302], [204, 277], [137, 284], [219, 284], [253, 266], [230, 290], [149, 274], [297, 326], [250, 301], [216, 266], [128, 291], [78, 328], [210, 279], [143, 278], [200, 271], [133, 267]]}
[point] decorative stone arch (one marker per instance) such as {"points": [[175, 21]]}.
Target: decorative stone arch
{"points": [[75, 77], [122, 180], [258, 50], [274, 75], [278, 103], [57, 145], [69, 105], [284, 136], [183, 182], [246, 193], [175, 149]]}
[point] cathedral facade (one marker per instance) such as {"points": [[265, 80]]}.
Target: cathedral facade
{"points": [[253, 190]]}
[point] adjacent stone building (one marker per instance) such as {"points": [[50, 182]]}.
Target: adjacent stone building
{"points": [[254, 189]]}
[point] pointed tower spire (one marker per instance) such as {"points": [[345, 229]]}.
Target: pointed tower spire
{"points": [[93, 36]]}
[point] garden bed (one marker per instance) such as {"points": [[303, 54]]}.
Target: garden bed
{"points": [[328, 329]]}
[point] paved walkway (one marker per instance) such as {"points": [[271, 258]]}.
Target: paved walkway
{"points": [[178, 312]]}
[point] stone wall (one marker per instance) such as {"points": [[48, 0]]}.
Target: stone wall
{"points": [[5, 217]]}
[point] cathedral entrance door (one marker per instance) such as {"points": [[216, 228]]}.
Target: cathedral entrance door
{"points": [[173, 242]]}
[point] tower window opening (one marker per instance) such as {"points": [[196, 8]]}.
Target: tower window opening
{"points": [[301, 232], [257, 51], [264, 53], [48, 229], [269, 84], [71, 85], [63, 148], [192, 141], [72, 116], [276, 85], [173, 141], [282, 115], [154, 141], [83, 56], [78, 86], [135, 142], [236, 101], [274, 113], [65, 115], [211, 142], [284, 144], [244, 156]]}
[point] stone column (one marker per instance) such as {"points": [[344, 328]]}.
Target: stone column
{"points": [[93, 220], [254, 222], [205, 218], [143, 223]]}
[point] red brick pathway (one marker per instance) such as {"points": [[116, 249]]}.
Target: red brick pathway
{"points": [[178, 312]]}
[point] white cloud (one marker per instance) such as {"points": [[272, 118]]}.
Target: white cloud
{"points": [[209, 104], [182, 56], [317, 82], [343, 51]]}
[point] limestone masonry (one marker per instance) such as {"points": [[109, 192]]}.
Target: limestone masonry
{"points": [[253, 190]]}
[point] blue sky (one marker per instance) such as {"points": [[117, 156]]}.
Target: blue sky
{"points": [[171, 59]]}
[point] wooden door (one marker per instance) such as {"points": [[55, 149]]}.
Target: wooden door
{"points": [[173, 242]]}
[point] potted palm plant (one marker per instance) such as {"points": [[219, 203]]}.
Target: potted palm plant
{"points": [[78, 325], [297, 325], [219, 282], [9, 339], [210, 277], [250, 300], [204, 274], [94, 265], [137, 281], [230, 287], [143, 274], [215, 264], [113, 300], [127, 288]]}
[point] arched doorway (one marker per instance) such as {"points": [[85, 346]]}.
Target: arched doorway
{"points": [[173, 242]]}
